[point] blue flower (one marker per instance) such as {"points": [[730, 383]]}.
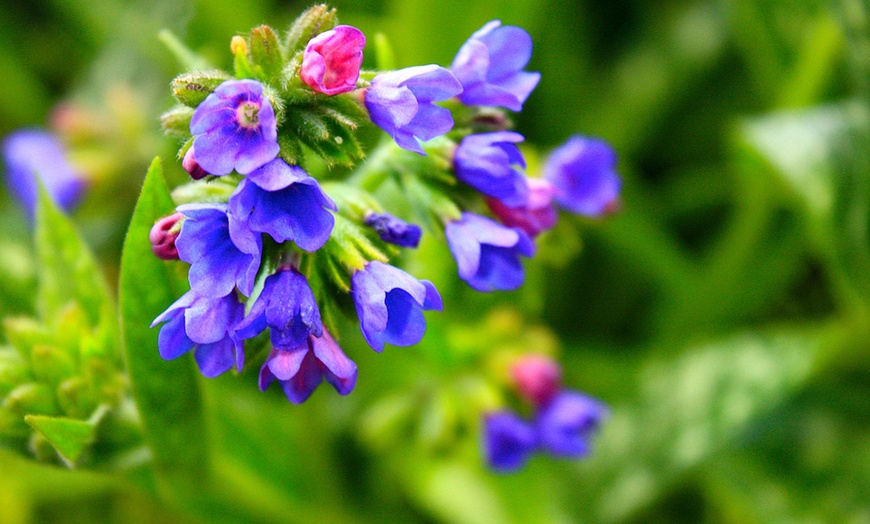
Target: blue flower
{"points": [[488, 253], [567, 422], [287, 307], [221, 255], [489, 67], [301, 369], [283, 201], [390, 304], [508, 441], [485, 162], [401, 103], [583, 170], [206, 326], [394, 230], [31, 153], [234, 128]]}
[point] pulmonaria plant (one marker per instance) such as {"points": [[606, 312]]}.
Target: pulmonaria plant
{"points": [[273, 238]]}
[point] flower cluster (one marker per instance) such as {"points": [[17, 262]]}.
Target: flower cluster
{"points": [[271, 238], [563, 423]]}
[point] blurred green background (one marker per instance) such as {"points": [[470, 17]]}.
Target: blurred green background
{"points": [[723, 314]]}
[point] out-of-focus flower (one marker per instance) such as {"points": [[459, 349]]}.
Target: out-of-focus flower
{"points": [[583, 170], [489, 67], [331, 62], [394, 230], [285, 202], [30, 154], [488, 253], [206, 326], [163, 235], [401, 103], [220, 255], [566, 424], [537, 215], [287, 307], [390, 304], [234, 128], [301, 369], [508, 441], [486, 163], [537, 378]]}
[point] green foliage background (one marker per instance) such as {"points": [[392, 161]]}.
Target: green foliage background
{"points": [[723, 313]]}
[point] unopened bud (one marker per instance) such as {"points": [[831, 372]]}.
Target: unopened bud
{"points": [[192, 167], [31, 398], [311, 23], [394, 230], [537, 378], [163, 235]]}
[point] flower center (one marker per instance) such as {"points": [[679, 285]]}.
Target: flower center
{"points": [[248, 116]]}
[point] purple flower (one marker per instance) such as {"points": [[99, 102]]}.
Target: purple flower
{"points": [[538, 214], [567, 422], [508, 441], [163, 235], [287, 307], [394, 230], [192, 167], [401, 103], [331, 62], [301, 369], [234, 128], [390, 304], [583, 170], [489, 67], [206, 326], [283, 201], [221, 255], [488, 253], [537, 378], [485, 162], [31, 153]]}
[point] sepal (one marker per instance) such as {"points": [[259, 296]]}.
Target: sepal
{"points": [[266, 54], [176, 121], [311, 23], [192, 88]]}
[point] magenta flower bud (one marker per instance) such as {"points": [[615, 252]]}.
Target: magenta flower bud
{"points": [[192, 167], [163, 235], [537, 215], [331, 62], [537, 378]]}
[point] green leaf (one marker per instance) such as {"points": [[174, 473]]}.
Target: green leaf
{"points": [[68, 436], [67, 271], [166, 393]]}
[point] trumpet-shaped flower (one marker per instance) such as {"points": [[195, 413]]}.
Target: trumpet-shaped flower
{"points": [[402, 104], [206, 326], [283, 201], [508, 441], [489, 67], [331, 62], [390, 304], [583, 171], [567, 422], [486, 163], [301, 369], [234, 128], [488, 253]]}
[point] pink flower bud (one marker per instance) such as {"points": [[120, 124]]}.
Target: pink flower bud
{"points": [[163, 235], [331, 62], [537, 378], [192, 167], [538, 214]]}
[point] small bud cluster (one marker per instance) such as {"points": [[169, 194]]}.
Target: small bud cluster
{"points": [[264, 235]]}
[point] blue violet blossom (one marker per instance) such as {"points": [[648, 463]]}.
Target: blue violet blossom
{"points": [[234, 128], [221, 255], [489, 67], [287, 307], [402, 104], [583, 171], [285, 202], [488, 253], [508, 441], [30, 154], [393, 230], [206, 326], [301, 369], [486, 163], [390, 304], [566, 423]]}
